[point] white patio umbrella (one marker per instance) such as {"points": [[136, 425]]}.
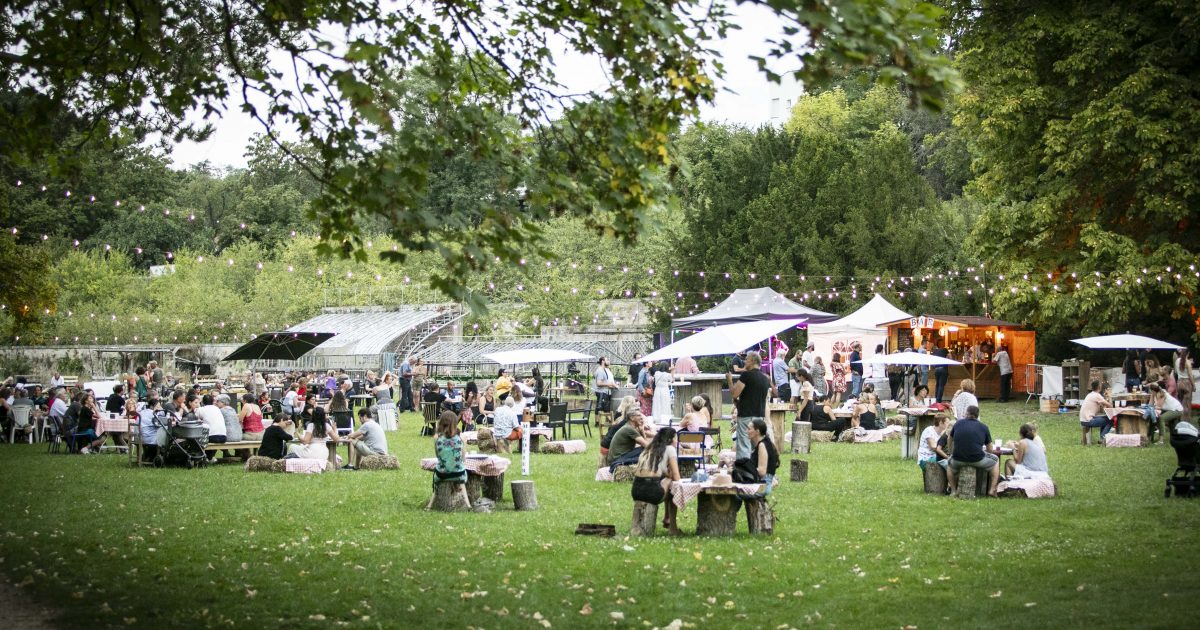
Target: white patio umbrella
{"points": [[727, 339], [1125, 342]]}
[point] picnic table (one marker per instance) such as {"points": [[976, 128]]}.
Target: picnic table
{"points": [[1129, 421], [716, 506], [921, 417]]}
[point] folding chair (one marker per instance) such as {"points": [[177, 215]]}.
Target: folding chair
{"points": [[687, 443], [715, 434], [430, 412], [585, 419]]}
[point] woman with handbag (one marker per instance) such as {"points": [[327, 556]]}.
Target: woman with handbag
{"points": [[645, 389]]}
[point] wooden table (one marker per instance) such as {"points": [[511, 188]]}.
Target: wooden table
{"points": [[696, 384], [716, 507], [1129, 421], [922, 418], [778, 416]]}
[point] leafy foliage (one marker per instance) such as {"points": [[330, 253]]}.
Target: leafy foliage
{"points": [[1084, 119]]}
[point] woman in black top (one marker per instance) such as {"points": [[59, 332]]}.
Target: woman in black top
{"points": [[764, 457], [823, 420]]}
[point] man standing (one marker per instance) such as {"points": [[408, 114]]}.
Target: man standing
{"points": [[750, 400], [156, 375], [806, 359], [973, 448], [686, 365], [856, 369], [1004, 362], [635, 369], [940, 373], [923, 371], [739, 362], [603, 385], [406, 393], [780, 388]]}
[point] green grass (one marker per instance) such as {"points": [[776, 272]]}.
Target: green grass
{"points": [[859, 545]]}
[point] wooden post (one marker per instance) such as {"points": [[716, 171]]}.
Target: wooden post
{"points": [[716, 514], [645, 519], [935, 478], [801, 437], [474, 486], [450, 497], [799, 470], [524, 496], [760, 518]]}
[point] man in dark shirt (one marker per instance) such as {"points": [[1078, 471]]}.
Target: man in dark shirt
{"points": [[856, 369], [276, 437], [739, 362], [749, 399], [973, 448], [941, 372], [116, 402], [435, 395], [635, 369]]}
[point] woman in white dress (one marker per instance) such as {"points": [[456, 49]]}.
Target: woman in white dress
{"points": [[313, 444], [385, 408], [661, 406]]}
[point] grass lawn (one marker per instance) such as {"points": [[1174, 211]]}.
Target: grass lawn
{"points": [[858, 546]]}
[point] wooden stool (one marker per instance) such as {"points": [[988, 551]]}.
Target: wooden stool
{"points": [[1087, 435], [524, 496], [799, 470], [450, 496], [935, 478], [645, 519], [481, 485], [716, 514], [760, 518], [972, 483]]}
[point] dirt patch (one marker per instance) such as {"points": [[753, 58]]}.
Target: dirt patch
{"points": [[19, 612]]}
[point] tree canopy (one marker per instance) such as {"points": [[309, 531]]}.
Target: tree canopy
{"points": [[143, 66]]}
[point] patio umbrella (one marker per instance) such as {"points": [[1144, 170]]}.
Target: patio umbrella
{"points": [[1125, 342], [280, 346], [726, 339]]}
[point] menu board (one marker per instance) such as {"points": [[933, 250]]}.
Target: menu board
{"points": [[904, 338]]}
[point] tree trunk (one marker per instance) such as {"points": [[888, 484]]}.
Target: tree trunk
{"points": [[493, 487], [716, 514], [972, 483], [801, 437], [524, 496], [760, 518], [799, 470], [935, 479], [645, 519], [450, 497]]}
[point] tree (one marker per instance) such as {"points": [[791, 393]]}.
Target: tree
{"points": [[601, 156], [28, 293], [1083, 117]]}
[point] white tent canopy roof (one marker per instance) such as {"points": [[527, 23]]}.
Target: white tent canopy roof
{"points": [[751, 305], [1125, 342], [868, 316], [727, 339], [537, 355]]}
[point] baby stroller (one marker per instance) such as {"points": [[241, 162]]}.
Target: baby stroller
{"points": [[184, 446], [1184, 439]]}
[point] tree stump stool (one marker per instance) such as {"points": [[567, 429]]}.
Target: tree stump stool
{"points": [[645, 519], [480, 485], [760, 518], [801, 437], [935, 478], [450, 496], [716, 514], [524, 496], [972, 483], [799, 470]]}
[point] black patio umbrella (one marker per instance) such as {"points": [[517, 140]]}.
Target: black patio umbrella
{"points": [[280, 346]]}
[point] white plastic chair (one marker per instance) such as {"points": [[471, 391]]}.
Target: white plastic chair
{"points": [[20, 421]]}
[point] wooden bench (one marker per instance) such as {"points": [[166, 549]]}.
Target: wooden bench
{"points": [[249, 445]]}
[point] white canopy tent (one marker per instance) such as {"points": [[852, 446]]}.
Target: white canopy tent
{"points": [[727, 339], [750, 305], [1125, 342], [861, 326]]}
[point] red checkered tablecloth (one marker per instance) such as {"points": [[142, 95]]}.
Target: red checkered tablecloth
{"points": [[490, 466], [684, 491], [305, 466], [106, 424]]}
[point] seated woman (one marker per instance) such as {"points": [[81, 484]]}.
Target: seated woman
{"points": [[318, 432], [822, 419], [963, 398], [930, 451], [1029, 455], [1163, 411], [470, 406], [764, 458], [919, 395], [866, 410], [251, 418], [448, 446], [656, 468], [149, 428], [486, 411], [627, 403], [693, 418]]}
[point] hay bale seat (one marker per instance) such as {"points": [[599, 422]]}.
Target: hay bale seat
{"points": [[379, 462], [822, 436], [258, 463], [624, 473]]}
